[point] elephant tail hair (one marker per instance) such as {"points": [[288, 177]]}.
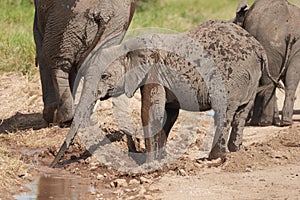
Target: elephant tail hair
{"points": [[289, 45], [276, 81]]}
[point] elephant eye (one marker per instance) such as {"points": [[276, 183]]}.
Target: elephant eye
{"points": [[105, 76]]}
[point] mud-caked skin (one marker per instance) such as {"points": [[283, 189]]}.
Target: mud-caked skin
{"points": [[174, 83], [216, 65], [65, 32], [276, 25]]}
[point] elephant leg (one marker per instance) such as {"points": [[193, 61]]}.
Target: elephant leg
{"points": [[172, 115], [265, 109], [276, 118], [291, 83], [222, 131], [64, 96], [238, 124], [257, 110], [72, 78], [153, 120], [49, 96]]}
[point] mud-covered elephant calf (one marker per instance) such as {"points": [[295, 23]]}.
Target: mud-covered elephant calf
{"points": [[216, 65], [276, 25], [65, 32]]}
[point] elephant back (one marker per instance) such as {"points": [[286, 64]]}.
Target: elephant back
{"points": [[226, 42], [270, 22]]}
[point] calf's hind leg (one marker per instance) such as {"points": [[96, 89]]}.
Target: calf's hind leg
{"points": [[221, 135], [238, 124], [171, 117]]}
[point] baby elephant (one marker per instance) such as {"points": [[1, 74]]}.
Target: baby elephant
{"points": [[170, 81], [215, 66]]}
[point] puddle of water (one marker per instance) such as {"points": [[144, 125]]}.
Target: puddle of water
{"points": [[53, 186]]}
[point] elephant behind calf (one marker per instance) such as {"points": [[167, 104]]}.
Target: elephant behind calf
{"points": [[275, 24], [216, 65], [65, 32]]}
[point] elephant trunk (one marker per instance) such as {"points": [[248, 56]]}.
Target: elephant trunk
{"points": [[82, 115], [69, 138]]}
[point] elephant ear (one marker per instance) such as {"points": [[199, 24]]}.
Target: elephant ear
{"points": [[135, 75], [241, 12]]}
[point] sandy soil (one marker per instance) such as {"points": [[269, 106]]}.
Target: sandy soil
{"points": [[268, 168]]}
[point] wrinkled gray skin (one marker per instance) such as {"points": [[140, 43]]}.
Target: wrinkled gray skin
{"points": [[275, 24], [169, 82], [65, 32]]}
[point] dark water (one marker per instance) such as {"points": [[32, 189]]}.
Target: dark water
{"points": [[55, 186]]}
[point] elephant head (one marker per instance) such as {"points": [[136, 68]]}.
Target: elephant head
{"points": [[111, 72], [95, 76]]}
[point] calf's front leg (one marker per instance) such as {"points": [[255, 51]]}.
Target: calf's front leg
{"points": [[153, 120]]}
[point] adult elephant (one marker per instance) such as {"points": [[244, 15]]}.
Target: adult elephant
{"points": [[275, 24], [65, 32]]}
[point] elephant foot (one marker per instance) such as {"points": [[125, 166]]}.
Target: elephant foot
{"points": [[65, 124], [155, 155], [217, 152], [286, 123], [64, 115], [49, 113], [254, 122], [265, 123], [234, 148], [276, 121], [54, 116]]}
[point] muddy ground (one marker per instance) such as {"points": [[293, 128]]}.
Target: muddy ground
{"points": [[268, 168]]}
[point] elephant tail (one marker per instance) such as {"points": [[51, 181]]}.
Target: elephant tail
{"points": [[276, 81], [289, 46], [265, 67], [101, 28]]}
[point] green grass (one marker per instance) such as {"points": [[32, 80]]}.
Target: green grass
{"points": [[17, 49], [181, 15]]}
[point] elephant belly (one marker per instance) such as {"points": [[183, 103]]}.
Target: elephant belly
{"points": [[186, 98]]}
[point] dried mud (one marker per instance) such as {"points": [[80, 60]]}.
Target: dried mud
{"points": [[267, 168]]}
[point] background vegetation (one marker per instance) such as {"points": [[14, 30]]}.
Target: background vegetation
{"points": [[17, 50]]}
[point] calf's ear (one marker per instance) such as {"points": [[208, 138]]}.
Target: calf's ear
{"points": [[134, 79]]}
